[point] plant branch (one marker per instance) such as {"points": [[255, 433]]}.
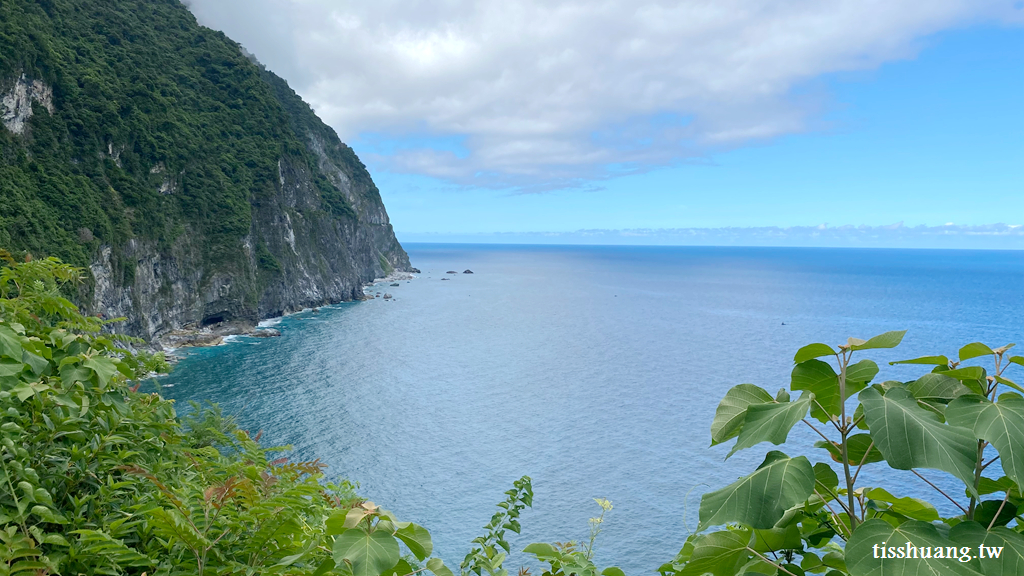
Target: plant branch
{"points": [[822, 408], [833, 495], [863, 460], [834, 515], [804, 420], [990, 462], [844, 431], [999, 511], [977, 479], [759, 555], [955, 503]]}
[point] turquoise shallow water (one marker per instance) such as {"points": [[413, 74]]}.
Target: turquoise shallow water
{"points": [[595, 370]]}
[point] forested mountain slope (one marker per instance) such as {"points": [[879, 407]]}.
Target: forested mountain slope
{"points": [[195, 185]]}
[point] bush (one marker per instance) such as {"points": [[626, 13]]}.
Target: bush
{"points": [[789, 517]]}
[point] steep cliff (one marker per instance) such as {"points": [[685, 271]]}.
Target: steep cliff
{"points": [[193, 184]]}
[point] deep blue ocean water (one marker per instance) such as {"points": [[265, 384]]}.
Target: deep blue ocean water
{"points": [[595, 370]]}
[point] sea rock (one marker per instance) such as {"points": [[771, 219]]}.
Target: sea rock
{"points": [[190, 338], [451, 272], [395, 284], [444, 278], [467, 271], [266, 333], [415, 270], [387, 296]]}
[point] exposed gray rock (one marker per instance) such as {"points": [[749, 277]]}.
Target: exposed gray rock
{"points": [[321, 260], [16, 102], [467, 271], [266, 333]]}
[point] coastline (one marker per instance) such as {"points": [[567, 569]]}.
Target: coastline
{"points": [[227, 332]]}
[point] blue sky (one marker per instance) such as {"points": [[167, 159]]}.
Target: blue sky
{"points": [[934, 139], [523, 116]]}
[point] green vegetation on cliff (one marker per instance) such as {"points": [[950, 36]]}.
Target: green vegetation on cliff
{"points": [[159, 126]]}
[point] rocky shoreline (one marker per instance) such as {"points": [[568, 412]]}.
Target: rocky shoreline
{"points": [[215, 334]]}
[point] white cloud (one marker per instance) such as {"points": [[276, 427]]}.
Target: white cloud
{"points": [[547, 93]]}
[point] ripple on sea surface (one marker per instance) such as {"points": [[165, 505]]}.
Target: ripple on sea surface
{"points": [[596, 370]]}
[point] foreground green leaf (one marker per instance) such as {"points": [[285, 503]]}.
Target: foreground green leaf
{"points": [[760, 499], [732, 410], [862, 551], [1011, 558], [886, 340], [718, 553], [911, 437], [368, 554], [1000, 423], [770, 422]]}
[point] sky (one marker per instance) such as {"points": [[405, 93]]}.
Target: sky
{"points": [[502, 117]]}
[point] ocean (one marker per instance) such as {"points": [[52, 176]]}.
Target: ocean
{"points": [[594, 370]]}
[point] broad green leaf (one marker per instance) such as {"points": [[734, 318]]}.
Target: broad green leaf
{"points": [[1009, 383], [10, 368], [986, 512], [24, 391], [542, 550], [834, 559], [733, 409], [820, 379], [612, 571], [37, 363], [825, 476], [930, 360], [770, 422], [912, 508], [368, 554], [436, 566], [990, 486], [1000, 423], [911, 437], [71, 373], [1018, 360], [103, 367], [773, 539], [401, 569], [973, 350], [417, 539], [811, 562], [860, 373], [813, 351], [718, 553], [760, 499], [965, 373], [1011, 558], [862, 551], [10, 344], [937, 386], [886, 340], [856, 447]]}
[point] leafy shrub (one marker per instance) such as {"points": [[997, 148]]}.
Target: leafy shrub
{"points": [[792, 517], [98, 478]]}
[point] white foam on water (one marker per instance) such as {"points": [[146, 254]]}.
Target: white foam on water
{"points": [[270, 322]]}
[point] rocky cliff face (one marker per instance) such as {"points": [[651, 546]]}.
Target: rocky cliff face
{"points": [[312, 259], [193, 184]]}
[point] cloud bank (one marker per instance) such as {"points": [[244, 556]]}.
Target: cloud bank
{"points": [[990, 237], [539, 93]]}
